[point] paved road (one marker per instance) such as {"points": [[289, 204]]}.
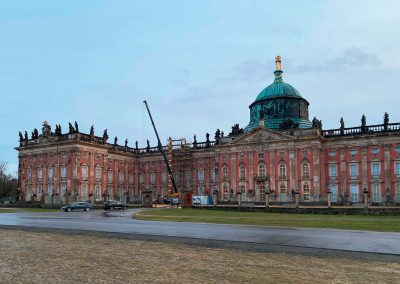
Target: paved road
{"points": [[121, 222]]}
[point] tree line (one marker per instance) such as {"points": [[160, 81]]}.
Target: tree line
{"points": [[8, 183]]}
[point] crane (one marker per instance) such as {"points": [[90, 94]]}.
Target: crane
{"points": [[171, 176]]}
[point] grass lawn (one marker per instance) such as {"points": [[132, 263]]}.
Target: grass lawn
{"points": [[2, 210], [349, 222]]}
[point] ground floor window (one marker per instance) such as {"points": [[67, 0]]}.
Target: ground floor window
{"points": [[84, 192], [376, 193], [40, 192], [306, 192], [200, 190], [398, 192], [110, 192], [334, 192], [121, 193], [354, 193], [98, 192]]}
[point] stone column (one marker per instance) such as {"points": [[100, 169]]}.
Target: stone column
{"points": [[266, 198], [316, 178], [386, 165]]}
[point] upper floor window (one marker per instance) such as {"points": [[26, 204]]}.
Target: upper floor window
{"points": [[282, 171], [261, 170], [332, 170], [141, 178], [188, 176], [84, 171], [152, 178], [121, 177], [225, 172], [353, 170], [40, 173], [214, 175], [242, 170], [376, 169], [110, 176], [200, 175], [98, 172], [29, 174], [397, 168], [306, 169], [63, 171], [50, 173], [130, 177]]}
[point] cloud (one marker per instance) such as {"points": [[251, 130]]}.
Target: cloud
{"points": [[349, 58]]}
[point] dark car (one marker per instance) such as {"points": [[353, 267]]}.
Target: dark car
{"points": [[84, 206], [112, 205]]}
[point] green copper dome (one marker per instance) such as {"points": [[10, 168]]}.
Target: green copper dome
{"points": [[280, 105], [278, 89]]}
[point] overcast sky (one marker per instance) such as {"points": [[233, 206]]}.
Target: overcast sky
{"points": [[199, 64]]}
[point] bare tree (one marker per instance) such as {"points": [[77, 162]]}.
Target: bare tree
{"points": [[8, 183]]}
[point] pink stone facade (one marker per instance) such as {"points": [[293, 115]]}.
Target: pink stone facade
{"points": [[308, 161]]}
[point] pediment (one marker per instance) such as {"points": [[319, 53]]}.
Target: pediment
{"points": [[262, 135]]}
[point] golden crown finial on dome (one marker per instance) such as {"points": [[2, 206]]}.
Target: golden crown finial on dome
{"points": [[278, 63]]}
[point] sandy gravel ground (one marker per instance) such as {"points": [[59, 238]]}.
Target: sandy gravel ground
{"points": [[43, 257]]}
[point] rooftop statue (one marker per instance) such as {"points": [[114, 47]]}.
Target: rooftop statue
{"points": [[26, 136], [217, 136], [278, 63], [105, 136], [208, 137], [236, 130], [71, 128], [115, 141], [21, 138], [136, 145], [363, 120], [126, 143], [76, 127], [341, 123], [92, 130], [386, 118], [46, 129], [148, 146]]}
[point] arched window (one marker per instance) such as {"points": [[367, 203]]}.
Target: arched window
{"points": [[98, 172], [40, 174], [306, 192], [225, 172], [261, 170], [63, 171], [214, 175], [84, 191], [306, 169], [282, 171], [242, 170]]}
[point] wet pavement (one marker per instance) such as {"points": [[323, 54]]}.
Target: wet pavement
{"points": [[121, 222]]}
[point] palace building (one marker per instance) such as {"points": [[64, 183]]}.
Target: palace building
{"points": [[280, 152]]}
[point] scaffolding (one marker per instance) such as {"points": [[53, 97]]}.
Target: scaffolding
{"points": [[179, 160]]}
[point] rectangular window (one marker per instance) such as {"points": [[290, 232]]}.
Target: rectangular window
{"points": [[110, 176], [214, 175], [201, 175], [84, 171], [121, 177], [332, 171], [40, 191], [63, 171], [353, 170], [29, 174], [354, 192], [398, 192], [50, 189], [40, 173], [130, 178], [63, 189], [334, 192], [152, 178], [50, 173], [98, 172], [141, 178], [397, 168], [376, 193], [376, 169], [164, 177]]}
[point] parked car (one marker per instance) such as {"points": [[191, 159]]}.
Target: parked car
{"points": [[112, 205], [85, 206]]}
